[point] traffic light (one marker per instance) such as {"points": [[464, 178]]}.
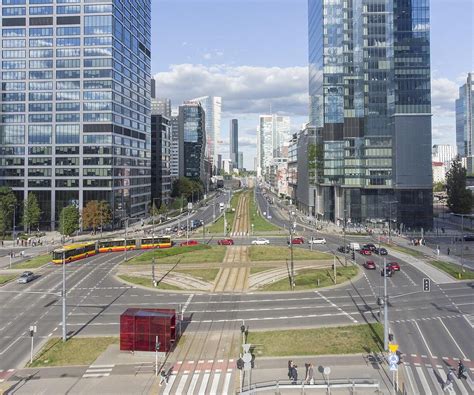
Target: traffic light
{"points": [[240, 364], [426, 285], [390, 337]]}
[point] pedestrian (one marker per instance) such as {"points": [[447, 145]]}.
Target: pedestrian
{"points": [[294, 374], [449, 250], [162, 377], [290, 368], [449, 380], [310, 374], [461, 370]]}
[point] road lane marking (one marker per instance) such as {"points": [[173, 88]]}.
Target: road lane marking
{"points": [[182, 383], [452, 338], [337, 307], [169, 384], [411, 379], [194, 381], [215, 384], [449, 388], [471, 317], [424, 340], [205, 379], [422, 377], [435, 381]]}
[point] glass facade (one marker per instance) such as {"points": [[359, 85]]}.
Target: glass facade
{"points": [[369, 85], [76, 103], [160, 159], [465, 119]]}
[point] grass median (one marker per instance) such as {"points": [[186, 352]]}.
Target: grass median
{"points": [[76, 351], [277, 253], [201, 253], [260, 224], [6, 278], [308, 279], [404, 250], [351, 339], [454, 270], [147, 282], [33, 263], [218, 226]]}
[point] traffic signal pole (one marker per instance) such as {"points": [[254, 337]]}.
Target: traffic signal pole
{"points": [[385, 307]]}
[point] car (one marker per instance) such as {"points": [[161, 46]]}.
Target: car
{"points": [[370, 247], [394, 266], [189, 243], [297, 240], [26, 277], [317, 240], [369, 265], [260, 241], [225, 242], [365, 251], [388, 272], [344, 249], [381, 251]]}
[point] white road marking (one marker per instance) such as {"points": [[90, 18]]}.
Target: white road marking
{"points": [[452, 338], [443, 375], [194, 381], [422, 377], [95, 375], [215, 383], [468, 318], [169, 384], [461, 387], [424, 340], [411, 379], [225, 389], [434, 379], [335, 306], [205, 379], [182, 383], [187, 303]]}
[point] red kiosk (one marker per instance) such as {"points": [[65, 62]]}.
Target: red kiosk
{"points": [[140, 327]]}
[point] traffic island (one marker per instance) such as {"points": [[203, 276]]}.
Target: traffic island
{"points": [[5, 278], [146, 281], [263, 253], [453, 270]]}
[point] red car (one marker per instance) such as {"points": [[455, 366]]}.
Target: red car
{"points": [[365, 251], [369, 265], [189, 243], [394, 266], [297, 240], [225, 242]]}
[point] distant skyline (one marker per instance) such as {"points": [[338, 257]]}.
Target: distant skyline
{"points": [[253, 53]]}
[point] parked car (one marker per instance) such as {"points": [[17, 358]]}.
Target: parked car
{"points": [[394, 266], [365, 251], [381, 251], [317, 240], [297, 240], [26, 277], [189, 243], [388, 272], [370, 247], [369, 265], [225, 242], [260, 241]]}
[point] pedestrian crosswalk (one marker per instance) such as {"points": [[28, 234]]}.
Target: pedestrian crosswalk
{"points": [[239, 233], [5, 374], [431, 379], [96, 371]]}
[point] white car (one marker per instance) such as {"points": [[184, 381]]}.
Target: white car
{"points": [[317, 240], [260, 241]]}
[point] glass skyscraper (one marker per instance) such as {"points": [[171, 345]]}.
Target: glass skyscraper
{"points": [[465, 119], [75, 117], [234, 142], [369, 86]]}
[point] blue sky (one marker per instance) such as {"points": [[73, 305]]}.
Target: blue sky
{"points": [[253, 53]]}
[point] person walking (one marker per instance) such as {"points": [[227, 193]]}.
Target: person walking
{"points": [[162, 377], [449, 250], [461, 371], [290, 369], [449, 380], [294, 374], [310, 374]]}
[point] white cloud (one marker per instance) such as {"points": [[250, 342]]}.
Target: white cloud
{"points": [[444, 92]]}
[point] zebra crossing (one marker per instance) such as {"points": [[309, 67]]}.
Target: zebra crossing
{"points": [[430, 378], [239, 233], [97, 371]]}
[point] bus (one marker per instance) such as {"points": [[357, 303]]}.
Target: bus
{"points": [[74, 252], [117, 245], [155, 242]]}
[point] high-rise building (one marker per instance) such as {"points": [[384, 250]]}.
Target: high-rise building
{"points": [[273, 130], [212, 106], [192, 146], [161, 106], [75, 116], [219, 164], [175, 144], [370, 102], [444, 153], [160, 160], [234, 142], [153, 88], [241, 160], [464, 119]]}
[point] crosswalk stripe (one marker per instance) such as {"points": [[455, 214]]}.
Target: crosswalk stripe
{"points": [[460, 384], [470, 382], [96, 375], [169, 384], [434, 379], [450, 388], [182, 383], [194, 381], [424, 383], [215, 383], [225, 390], [205, 379], [411, 379]]}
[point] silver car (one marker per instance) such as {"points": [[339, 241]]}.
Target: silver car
{"points": [[26, 277]]}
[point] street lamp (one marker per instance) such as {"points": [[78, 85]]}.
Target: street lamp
{"points": [[153, 242], [292, 271], [14, 226], [390, 218]]}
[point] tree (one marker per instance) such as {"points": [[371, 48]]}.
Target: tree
{"points": [[7, 209], [69, 220], [96, 214], [31, 212], [183, 186], [439, 187], [460, 199]]}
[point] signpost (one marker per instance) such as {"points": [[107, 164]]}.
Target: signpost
{"points": [[393, 360], [33, 330]]}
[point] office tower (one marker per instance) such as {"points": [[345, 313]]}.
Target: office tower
{"points": [[175, 141], [240, 165], [161, 106], [273, 130], [153, 88], [212, 106], [219, 164], [234, 142], [464, 119], [75, 121], [444, 153], [160, 160], [370, 101], [192, 141]]}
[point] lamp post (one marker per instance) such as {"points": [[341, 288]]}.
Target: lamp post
{"points": [[390, 218], [385, 307], [344, 229], [14, 226], [462, 242], [292, 270], [153, 243], [126, 235]]}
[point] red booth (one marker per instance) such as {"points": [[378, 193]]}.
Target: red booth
{"points": [[139, 328]]}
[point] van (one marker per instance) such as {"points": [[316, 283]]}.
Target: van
{"points": [[221, 206], [354, 246]]}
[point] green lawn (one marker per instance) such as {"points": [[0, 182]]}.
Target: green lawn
{"points": [[308, 279], [200, 253], [76, 351], [278, 253], [405, 250], [454, 270], [6, 278], [351, 339], [34, 262], [147, 282], [218, 226], [203, 274], [260, 224]]}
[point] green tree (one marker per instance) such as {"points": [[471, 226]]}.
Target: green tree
{"points": [[439, 187], [96, 214], [183, 186], [69, 220], [7, 205], [460, 199], [31, 212]]}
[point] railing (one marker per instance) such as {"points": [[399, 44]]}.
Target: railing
{"points": [[327, 385]]}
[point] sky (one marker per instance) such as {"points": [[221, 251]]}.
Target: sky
{"points": [[254, 54]]}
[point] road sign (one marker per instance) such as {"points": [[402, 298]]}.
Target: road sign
{"points": [[327, 370], [393, 367], [426, 284], [393, 359], [247, 366], [247, 357], [393, 347], [190, 206], [246, 347]]}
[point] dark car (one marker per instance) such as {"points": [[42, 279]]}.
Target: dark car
{"points": [[297, 240], [225, 242], [468, 237], [388, 272], [381, 251], [369, 265], [343, 249], [394, 266], [365, 251], [189, 243], [370, 247]]}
